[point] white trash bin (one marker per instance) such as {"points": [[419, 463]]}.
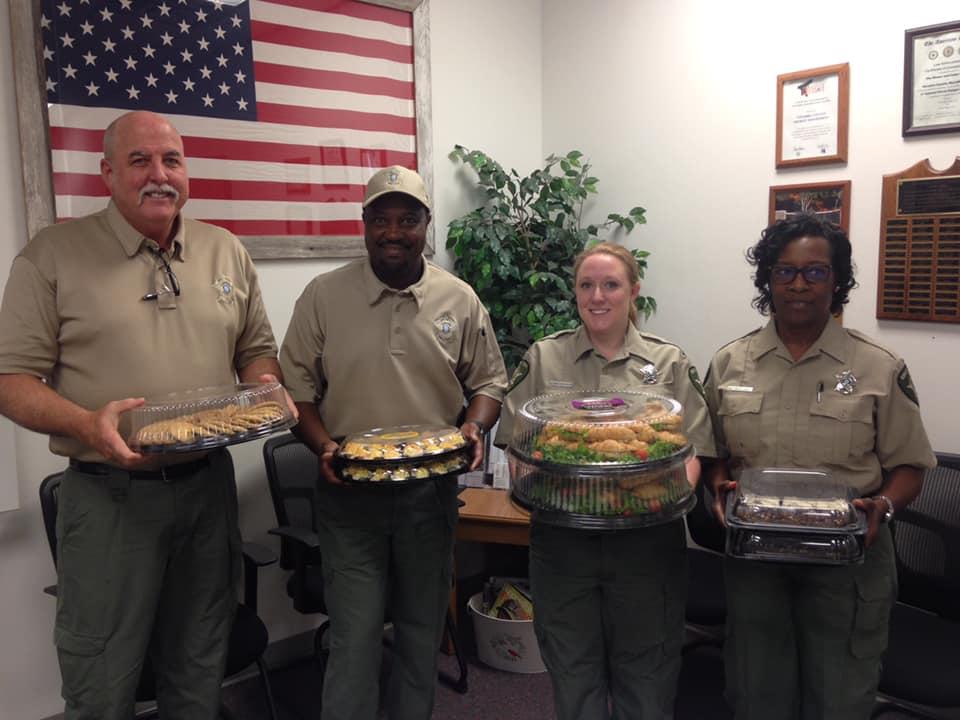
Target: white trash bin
{"points": [[509, 645]]}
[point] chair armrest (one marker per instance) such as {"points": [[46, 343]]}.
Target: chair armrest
{"points": [[259, 555], [306, 538]]}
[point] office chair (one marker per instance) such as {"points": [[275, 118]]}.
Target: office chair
{"points": [[706, 609], [292, 472], [921, 668], [248, 636]]}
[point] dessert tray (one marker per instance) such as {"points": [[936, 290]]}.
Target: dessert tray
{"points": [[402, 454], [601, 460], [208, 418], [794, 515]]}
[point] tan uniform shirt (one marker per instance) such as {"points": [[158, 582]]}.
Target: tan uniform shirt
{"points": [[72, 314], [371, 356], [845, 406], [566, 361]]}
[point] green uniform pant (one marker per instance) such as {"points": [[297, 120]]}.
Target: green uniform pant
{"points": [[805, 641], [145, 566], [387, 553], [608, 613]]}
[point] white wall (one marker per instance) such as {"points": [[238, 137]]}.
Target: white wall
{"points": [[675, 103], [484, 94]]}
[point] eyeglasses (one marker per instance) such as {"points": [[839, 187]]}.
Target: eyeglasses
{"points": [[165, 289], [785, 274]]}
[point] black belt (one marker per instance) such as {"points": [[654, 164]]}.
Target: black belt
{"points": [[170, 472]]}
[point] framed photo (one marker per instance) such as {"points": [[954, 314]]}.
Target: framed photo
{"points": [[830, 201], [285, 109], [812, 116], [931, 80]]}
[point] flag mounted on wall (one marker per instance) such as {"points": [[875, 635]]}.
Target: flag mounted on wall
{"points": [[286, 108]]}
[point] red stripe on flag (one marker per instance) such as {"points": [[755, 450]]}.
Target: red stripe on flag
{"points": [[361, 10], [326, 228], [330, 42], [67, 138], [332, 80], [327, 118], [211, 189], [62, 138]]}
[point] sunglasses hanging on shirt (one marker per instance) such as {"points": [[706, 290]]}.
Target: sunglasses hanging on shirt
{"points": [[168, 287]]}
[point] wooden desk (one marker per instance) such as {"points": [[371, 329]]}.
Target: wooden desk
{"points": [[489, 516]]}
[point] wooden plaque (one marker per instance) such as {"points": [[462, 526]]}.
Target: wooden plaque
{"points": [[919, 276]]}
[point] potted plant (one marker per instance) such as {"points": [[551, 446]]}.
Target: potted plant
{"points": [[517, 250]]}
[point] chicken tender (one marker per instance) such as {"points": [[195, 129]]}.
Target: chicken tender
{"points": [[620, 433]]}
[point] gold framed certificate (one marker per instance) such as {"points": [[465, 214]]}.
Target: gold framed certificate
{"points": [[812, 116]]}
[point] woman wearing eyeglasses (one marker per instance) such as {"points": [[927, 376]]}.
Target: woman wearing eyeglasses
{"points": [[805, 641]]}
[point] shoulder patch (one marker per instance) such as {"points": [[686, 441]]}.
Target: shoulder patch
{"points": [[695, 381], [521, 371], [905, 383]]}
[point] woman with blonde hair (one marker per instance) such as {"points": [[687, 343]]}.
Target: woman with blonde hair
{"points": [[609, 605]]}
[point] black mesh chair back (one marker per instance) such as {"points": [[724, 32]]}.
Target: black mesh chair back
{"points": [[922, 664], [248, 635], [292, 472], [928, 542]]}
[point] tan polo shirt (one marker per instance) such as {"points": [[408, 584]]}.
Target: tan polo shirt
{"points": [[371, 356], [567, 361], [73, 315], [848, 405]]}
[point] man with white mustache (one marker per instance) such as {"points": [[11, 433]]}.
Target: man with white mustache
{"points": [[99, 312]]}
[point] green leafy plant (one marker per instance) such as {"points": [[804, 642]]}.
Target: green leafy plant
{"points": [[517, 250]]}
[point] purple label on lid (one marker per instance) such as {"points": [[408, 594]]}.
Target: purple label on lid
{"points": [[598, 403]]}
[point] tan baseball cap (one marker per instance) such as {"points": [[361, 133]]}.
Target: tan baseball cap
{"points": [[396, 179]]}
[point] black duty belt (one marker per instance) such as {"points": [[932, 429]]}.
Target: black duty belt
{"points": [[165, 474]]}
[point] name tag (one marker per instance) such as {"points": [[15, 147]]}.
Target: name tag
{"points": [[736, 388], [559, 384]]}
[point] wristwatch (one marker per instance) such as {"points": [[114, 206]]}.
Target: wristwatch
{"points": [[888, 515]]}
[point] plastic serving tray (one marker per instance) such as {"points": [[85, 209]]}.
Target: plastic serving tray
{"points": [[601, 460], [208, 418], [794, 515], [402, 454]]}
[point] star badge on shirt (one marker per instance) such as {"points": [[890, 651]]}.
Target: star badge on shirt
{"points": [[446, 327], [225, 290]]}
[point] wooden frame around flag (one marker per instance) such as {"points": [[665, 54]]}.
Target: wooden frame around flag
{"points": [[29, 75]]}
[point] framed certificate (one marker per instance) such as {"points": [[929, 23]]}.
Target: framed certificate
{"points": [[812, 116], [931, 80]]}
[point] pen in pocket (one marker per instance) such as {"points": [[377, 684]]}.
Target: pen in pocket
{"points": [[819, 391]]}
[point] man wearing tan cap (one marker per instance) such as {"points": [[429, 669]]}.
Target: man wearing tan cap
{"points": [[388, 340], [135, 301]]}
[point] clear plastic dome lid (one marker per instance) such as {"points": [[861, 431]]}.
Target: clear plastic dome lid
{"points": [[402, 442], [207, 417], [795, 498], [576, 428]]}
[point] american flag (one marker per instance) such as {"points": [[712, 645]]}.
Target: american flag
{"points": [[286, 108]]}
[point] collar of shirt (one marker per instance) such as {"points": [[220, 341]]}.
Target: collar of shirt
{"points": [[375, 289], [632, 344], [833, 341], [131, 239]]}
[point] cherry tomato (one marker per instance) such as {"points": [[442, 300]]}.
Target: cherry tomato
{"points": [[641, 454]]}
